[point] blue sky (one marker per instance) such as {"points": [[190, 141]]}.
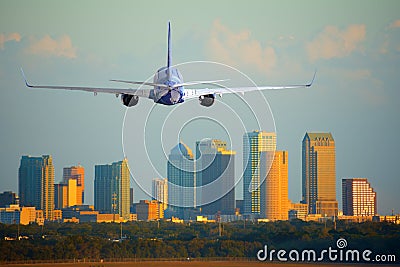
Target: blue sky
{"points": [[355, 45]]}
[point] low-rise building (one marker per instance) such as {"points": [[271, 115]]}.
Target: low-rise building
{"points": [[28, 215], [133, 217], [149, 210], [314, 218], [356, 219], [57, 215], [387, 218], [86, 213], [176, 220], [14, 214], [204, 219], [298, 211]]}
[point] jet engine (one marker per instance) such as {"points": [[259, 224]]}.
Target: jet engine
{"points": [[207, 100], [129, 100]]}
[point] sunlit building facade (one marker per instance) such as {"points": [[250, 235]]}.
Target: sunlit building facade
{"points": [[274, 188], [149, 210], [14, 214], [76, 173], [255, 143], [298, 211], [160, 191], [319, 174], [70, 191], [358, 197]]}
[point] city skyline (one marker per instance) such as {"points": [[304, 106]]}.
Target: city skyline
{"points": [[319, 139], [354, 94], [319, 164]]}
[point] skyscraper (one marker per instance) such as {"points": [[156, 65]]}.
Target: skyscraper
{"points": [[60, 196], [112, 187], [182, 181], [77, 173], [319, 174], [215, 170], [254, 143], [36, 183], [72, 193], [160, 191], [274, 189], [66, 195], [359, 198]]}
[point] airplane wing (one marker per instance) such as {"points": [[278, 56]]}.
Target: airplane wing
{"points": [[194, 93], [95, 90]]}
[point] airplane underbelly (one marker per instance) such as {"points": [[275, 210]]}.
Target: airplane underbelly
{"points": [[168, 96], [167, 100]]}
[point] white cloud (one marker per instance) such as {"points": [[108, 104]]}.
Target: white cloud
{"points": [[395, 24], [335, 43], [9, 37], [51, 47], [238, 48], [390, 40]]}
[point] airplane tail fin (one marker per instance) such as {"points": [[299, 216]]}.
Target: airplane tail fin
{"points": [[169, 50]]}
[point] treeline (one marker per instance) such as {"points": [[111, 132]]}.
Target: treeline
{"points": [[169, 240], [80, 247]]}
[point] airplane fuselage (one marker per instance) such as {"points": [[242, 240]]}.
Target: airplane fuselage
{"points": [[168, 96]]}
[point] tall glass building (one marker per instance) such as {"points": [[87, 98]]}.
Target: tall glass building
{"points": [[215, 170], [255, 143], [112, 188], [319, 174], [182, 181], [36, 184]]}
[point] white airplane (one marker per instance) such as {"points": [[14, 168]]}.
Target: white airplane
{"points": [[168, 87]]}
